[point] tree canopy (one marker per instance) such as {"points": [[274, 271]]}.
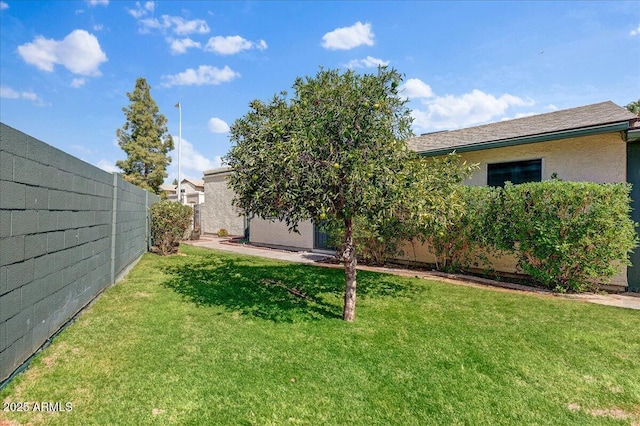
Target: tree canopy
{"points": [[331, 152], [634, 107], [145, 139]]}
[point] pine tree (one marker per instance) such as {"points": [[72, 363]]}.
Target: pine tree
{"points": [[145, 139]]}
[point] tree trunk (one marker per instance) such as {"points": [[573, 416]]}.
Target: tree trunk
{"points": [[350, 262]]}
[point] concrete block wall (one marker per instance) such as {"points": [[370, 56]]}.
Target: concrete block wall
{"points": [[61, 242], [218, 211]]}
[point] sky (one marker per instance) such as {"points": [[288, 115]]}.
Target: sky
{"points": [[66, 66]]}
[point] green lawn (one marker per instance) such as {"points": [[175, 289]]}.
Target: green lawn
{"points": [[215, 338]]}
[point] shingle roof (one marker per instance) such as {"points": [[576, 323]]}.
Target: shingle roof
{"points": [[194, 182], [569, 119], [168, 187]]}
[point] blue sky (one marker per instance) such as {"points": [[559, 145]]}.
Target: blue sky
{"points": [[65, 66]]}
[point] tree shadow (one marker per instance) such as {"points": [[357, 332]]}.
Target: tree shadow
{"points": [[274, 292]]}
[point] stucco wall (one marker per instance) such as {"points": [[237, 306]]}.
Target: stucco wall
{"points": [[218, 212], [275, 233], [597, 158]]}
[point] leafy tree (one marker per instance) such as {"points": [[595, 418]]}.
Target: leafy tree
{"points": [[175, 182], [145, 139], [634, 107], [332, 152]]}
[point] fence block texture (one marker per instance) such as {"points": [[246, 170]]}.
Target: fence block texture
{"points": [[68, 230]]}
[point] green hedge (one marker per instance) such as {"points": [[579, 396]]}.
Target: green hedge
{"points": [[566, 235], [169, 224]]}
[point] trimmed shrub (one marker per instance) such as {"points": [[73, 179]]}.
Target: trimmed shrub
{"points": [[223, 232], [169, 224], [457, 234], [566, 235]]}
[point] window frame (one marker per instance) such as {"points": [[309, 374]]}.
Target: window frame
{"points": [[505, 164]]}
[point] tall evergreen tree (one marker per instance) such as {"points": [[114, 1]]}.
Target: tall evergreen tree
{"points": [[145, 139]]}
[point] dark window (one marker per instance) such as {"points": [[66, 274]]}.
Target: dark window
{"points": [[515, 172]]}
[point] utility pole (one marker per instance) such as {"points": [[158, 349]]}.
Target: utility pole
{"points": [[179, 106]]}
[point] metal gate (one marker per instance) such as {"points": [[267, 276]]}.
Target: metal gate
{"points": [[197, 216], [321, 238]]}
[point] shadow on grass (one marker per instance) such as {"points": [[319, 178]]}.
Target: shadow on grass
{"points": [[275, 292]]}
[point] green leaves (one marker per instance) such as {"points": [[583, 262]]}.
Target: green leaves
{"points": [[328, 153], [169, 223], [145, 139], [566, 234], [320, 151]]}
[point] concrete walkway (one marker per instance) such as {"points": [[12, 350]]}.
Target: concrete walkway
{"points": [[630, 300]]}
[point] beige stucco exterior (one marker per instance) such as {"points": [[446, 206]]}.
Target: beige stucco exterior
{"points": [[596, 158], [276, 233], [218, 212]]}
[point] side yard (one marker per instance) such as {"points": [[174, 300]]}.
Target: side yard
{"points": [[207, 337]]}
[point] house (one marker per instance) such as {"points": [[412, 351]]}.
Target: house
{"points": [[170, 192], [597, 143], [192, 191], [219, 213]]}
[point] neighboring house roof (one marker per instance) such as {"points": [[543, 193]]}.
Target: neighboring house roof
{"points": [[168, 188], [194, 182], [580, 121]]}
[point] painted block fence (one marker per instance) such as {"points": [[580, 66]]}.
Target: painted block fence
{"points": [[68, 230]]}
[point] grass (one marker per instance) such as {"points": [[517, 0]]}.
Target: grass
{"points": [[216, 338]]}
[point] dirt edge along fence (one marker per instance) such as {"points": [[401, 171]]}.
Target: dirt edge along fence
{"points": [[68, 230]]}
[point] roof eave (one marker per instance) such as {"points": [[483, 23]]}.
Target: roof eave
{"points": [[523, 140], [633, 135]]}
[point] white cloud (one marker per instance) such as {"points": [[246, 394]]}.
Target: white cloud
{"points": [[108, 166], [217, 125], [78, 82], [3, 5], [9, 93], [82, 149], [180, 46], [183, 27], [232, 44], [98, 2], [141, 10], [476, 107], [635, 32], [346, 38], [79, 52], [368, 62], [416, 88], [192, 163], [98, 27], [204, 75], [175, 24]]}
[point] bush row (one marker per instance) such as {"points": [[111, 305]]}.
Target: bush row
{"points": [[565, 235]]}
